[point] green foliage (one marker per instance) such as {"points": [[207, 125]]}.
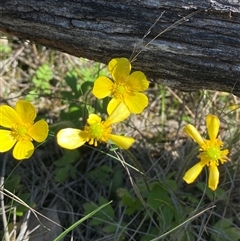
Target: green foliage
{"points": [[64, 166], [160, 201], [43, 74], [41, 82], [80, 82], [219, 193], [100, 174], [129, 201], [224, 230], [76, 98], [5, 50], [12, 183]]}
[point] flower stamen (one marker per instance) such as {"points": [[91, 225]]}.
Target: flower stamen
{"points": [[214, 153]]}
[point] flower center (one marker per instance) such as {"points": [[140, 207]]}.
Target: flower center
{"points": [[214, 153], [120, 90], [20, 132], [97, 132]]}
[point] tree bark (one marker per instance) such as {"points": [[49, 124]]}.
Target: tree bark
{"points": [[203, 52]]}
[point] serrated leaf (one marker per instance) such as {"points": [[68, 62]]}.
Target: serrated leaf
{"points": [[156, 197], [131, 203], [70, 156], [44, 72]]}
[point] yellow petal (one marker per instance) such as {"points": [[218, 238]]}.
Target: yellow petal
{"points": [[102, 87], [213, 177], [23, 150], [137, 81], [70, 138], [25, 111], [6, 140], [136, 102], [192, 132], [119, 114], [119, 68], [113, 103], [213, 125], [123, 142], [39, 131], [193, 173], [8, 116], [93, 118]]}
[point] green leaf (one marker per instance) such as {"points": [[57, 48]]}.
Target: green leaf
{"points": [[70, 156], [131, 203], [111, 228], [12, 183], [32, 95], [117, 180], [224, 230], [167, 215], [61, 174], [86, 87], [108, 209], [5, 49], [101, 174], [212, 195], [44, 73], [71, 79], [65, 166], [67, 95], [157, 197]]}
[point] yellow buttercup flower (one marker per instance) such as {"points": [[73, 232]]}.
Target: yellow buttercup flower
{"points": [[17, 128], [125, 87], [211, 152], [96, 131]]}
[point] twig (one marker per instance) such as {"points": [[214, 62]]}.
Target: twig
{"points": [[172, 26]]}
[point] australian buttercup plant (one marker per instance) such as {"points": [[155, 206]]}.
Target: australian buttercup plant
{"points": [[18, 130], [96, 131], [124, 87], [211, 153]]}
